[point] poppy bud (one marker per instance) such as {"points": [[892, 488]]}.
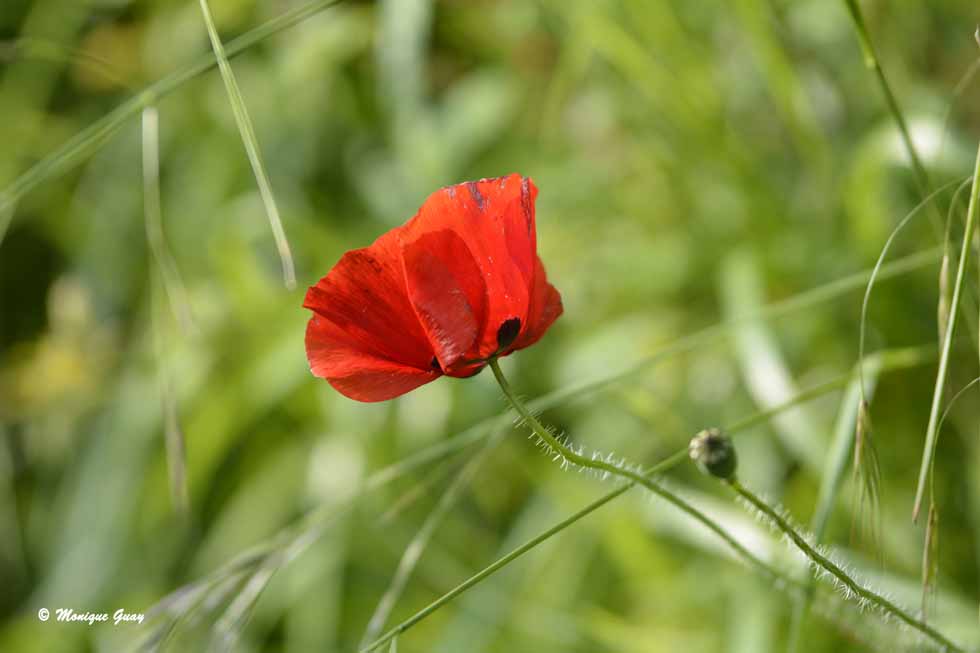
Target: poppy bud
{"points": [[714, 453]]}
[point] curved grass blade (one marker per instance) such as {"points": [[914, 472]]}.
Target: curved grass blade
{"points": [[92, 137], [945, 289], [830, 484], [33, 48], [413, 552], [516, 553], [166, 265], [930, 549], [873, 64], [958, 90], [250, 559], [921, 175], [251, 144], [947, 344], [177, 296], [862, 329]]}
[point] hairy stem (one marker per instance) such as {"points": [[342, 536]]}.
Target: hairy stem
{"points": [[830, 567], [635, 478]]}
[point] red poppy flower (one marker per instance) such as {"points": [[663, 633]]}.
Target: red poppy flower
{"points": [[458, 283]]}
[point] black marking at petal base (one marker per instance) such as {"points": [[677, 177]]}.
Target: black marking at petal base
{"points": [[477, 196], [435, 364], [507, 333]]}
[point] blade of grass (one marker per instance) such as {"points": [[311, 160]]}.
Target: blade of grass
{"points": [[174, 289], [945, 290], [862, 329], [930, 549], [166, 265], [33, 48], [872, 62], [958, 90], [560, 449], [92, 137], [413, 552], [921, 175], [251, 143], [516, 553], [767, 376], [490, 570], [250, 559], [183, 599], [947, 344], [831, 481]]}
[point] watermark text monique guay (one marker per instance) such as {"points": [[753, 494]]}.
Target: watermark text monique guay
{"points": [[69, 615]]}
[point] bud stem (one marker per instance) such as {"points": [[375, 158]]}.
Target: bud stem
{"points": [[828, 565]]}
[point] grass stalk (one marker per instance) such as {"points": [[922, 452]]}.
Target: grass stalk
{"points": [[644, 479], [169, 278], [830, 484], [875, 272], [92, 137], [499, 564], [166, 265], [413, 552], [932, 430], [874, 64], [251, 143], [634, 478]]}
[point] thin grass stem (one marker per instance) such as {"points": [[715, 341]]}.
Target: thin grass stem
{"points": [[413, 552], [862, 329], [947, 343], [668, 463], [251, 143], [830, 484], [173, 288], [92, 137], [502, 562], [873, 63], [173, 285]]}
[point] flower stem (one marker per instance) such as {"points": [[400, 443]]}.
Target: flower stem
{"points": [[643, 479], [634, 478], [828, 565]]}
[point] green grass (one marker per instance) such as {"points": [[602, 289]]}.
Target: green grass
{"points": [[718, 187]]}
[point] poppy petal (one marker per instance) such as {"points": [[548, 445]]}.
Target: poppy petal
{"points": [[354, 370], [494, 219], [544, 309], [364, 295], [447, 291]]}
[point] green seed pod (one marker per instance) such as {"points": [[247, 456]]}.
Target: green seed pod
{"points": [[714, 453]]}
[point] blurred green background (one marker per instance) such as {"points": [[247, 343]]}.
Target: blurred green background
{"points": [[695, 161]]}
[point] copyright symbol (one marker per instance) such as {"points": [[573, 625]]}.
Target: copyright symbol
{"points": [[43, 614]]}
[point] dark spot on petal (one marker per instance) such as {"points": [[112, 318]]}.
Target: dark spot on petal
{"points": [[435, 364], [507, 333], [475, 192]]}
